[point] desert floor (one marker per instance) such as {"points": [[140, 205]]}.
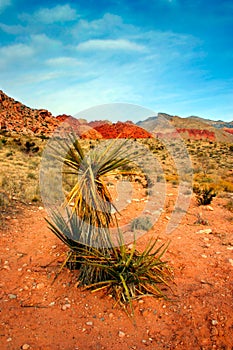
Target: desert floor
{"points": [[36, 313]]}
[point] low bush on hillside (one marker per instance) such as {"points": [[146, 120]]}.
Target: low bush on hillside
{"points": [[204, 195]]}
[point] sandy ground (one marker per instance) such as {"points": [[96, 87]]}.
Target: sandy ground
{"points": [[36, 313]]}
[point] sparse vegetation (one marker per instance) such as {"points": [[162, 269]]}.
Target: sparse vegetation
{"points": [[141, 223]]}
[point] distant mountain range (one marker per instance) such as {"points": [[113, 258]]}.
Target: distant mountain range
{"points": [[17, 118]]}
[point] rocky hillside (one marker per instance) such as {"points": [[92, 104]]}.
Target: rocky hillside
{"points": [[18, 118], [190, 128]]}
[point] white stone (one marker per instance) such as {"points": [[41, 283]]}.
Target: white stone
{"points": [[121, 334], [206, 231]]}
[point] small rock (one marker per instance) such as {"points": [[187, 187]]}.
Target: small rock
{"points": [[12, 296], [204, 256], [167, 217], [121, 334], [66, 306], [214, 322], [111, 315], [52, 303], [9, 339], [40, 208], [40, 285], [25, 346], [89, 323], [231, 261], [209, 208], [206, 231], [6, 267]]}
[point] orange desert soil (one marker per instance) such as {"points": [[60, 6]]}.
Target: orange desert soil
{"points": [[36, 313]]}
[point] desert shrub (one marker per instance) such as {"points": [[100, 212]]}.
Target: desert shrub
{"points": [[141, 223], [9, 154], [123, 272], [3, 141], [31, 176], [204, 195]]}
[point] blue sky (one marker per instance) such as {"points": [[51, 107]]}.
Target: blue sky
{"points": [[173, 56]]}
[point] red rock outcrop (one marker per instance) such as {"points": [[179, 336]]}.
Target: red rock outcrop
{"points": [[230, 131], [122, 130], [197, 134]]}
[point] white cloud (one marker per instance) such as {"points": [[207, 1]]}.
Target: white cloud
{"points": [[118, 44], [12, 29], [59, 13], [16, 51], [63, 62], [109, 26], [4, 4]]}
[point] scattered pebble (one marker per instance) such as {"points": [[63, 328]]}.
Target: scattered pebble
{"points": [[89, 323], [40, 285], [206, 231], [214, 322], [9, 339], [65, 307], [12, 296], [25, 346], [40, 208], [6, 267], [204, 256], [209, 208], [121, 334], [231, 261]]}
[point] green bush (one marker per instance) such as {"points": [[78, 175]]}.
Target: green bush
{"points": [[204, 195]]}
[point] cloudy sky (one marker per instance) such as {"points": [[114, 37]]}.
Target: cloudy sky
{"points": [[173, 56]]}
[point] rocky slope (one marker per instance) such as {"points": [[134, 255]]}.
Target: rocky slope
{"points": [[18, 118]]}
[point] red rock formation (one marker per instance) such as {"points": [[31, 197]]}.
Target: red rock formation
{"points": [[230, 131], [198, 134], [122, 130]]}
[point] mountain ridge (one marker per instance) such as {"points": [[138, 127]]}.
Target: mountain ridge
{"points": [[16, 117]]}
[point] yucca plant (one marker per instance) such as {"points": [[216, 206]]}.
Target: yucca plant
{"points": [[123, 272], [84, 221]]}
